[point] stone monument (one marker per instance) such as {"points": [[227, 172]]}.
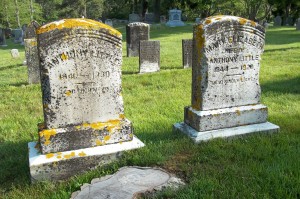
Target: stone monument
{"points": [[84, 123], [298, 24], [175, 18], [187, 52], [277, 21], [149, 18], [134, 18], [2, 38], [135, 32], [31, 53], [149, 58], [225, 80]]}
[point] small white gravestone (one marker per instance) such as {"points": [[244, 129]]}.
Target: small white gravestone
{"points": [[15, 53], [225, 80]]}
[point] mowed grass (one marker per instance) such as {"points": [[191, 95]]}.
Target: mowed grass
{"points": [[254, 166]]}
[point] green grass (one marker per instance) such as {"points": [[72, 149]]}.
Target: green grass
{"points": [[255, 166]]}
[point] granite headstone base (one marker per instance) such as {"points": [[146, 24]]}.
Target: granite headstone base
{"points": [[62, 165], [175, 23], [84, 136], [203, 136]]}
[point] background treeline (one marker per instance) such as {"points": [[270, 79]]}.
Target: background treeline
{"points": [[14, 13]]}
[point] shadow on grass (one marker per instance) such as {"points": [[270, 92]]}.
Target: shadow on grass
{"points": [[10, 67], [291, 86], [14, 168], [19, 84], [281, 49]]}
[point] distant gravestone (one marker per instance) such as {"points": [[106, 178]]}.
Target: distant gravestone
{"points": [[2, 38], [134, 18], [135, 32], [109, 22], [84, 124], [197, 20], [187, 52], [149, 18], [175, 18], [15, 53], [18, 35], [298, 24], [149, 58], [163, 19], [225, 84], [31, 53], [278, 21], [289, 21]]}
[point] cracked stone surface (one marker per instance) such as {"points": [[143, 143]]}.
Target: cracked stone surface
{"points": [[128, 182]]}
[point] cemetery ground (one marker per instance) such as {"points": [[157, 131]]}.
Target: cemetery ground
{"points": [[252, 166]]}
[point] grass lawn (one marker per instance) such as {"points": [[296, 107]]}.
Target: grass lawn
{"points": [[254, 166]]}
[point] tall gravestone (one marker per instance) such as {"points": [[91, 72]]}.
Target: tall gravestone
{"points": [[135, 32], [187, 53], [149, 58], [31, 53], [225, 85], [277, 21], [84, 124], [175, 18]]}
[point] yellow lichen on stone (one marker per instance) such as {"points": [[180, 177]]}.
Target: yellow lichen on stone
{"points": [[49, 155], [207, 21], [68, 93], [122, 116], [68, 156], [81, 154], [238, 112], [99, 143], [47, 133], [106, 138], [253, 23], [64, 56], [33, 43], [196, 104], [242, 21], [77, 23], [199, 37], [58, 157]]}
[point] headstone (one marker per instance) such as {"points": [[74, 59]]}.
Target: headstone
{"points": [[30, 31], [278, 21], [225, 84], [128, 183], [24, 27], [187, 52], [15, 53], [149, 18], [84, 124], [163, 19], [135, 32], [31, 53], [289, 21], [149, 58], [18, 35], [134, 18], [298, 24], [2, 38], [109, 22], [175, 18], [197, 20]]}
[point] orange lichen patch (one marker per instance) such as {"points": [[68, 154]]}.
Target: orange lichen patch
{"points": [[196, 105], [64, 56], [68, 156], [76, 23], [68, 93], [106, 138], [47, 133], [199, 37], [49, 155], [109, 125], [207, 21], [81, 154], [242, 21], [122, 116], [99, 143], [238, 112], [252, 23]]}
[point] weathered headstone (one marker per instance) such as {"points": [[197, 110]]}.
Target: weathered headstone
{"points": [[135, 32], [187, 53], [109, 22], [298, 24], [175, 18], [15, 53], [278, 21], [31, 53], [2, 38], [84, 124], [149, 18], [134, 18], [225, 84], [149, 58]]}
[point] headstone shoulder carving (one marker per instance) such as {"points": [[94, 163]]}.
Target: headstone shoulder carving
{"points": [[80, 61], [225, 84], [135, 32], [149, 58]]}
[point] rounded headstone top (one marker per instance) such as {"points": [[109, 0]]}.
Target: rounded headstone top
{"points": [[210, 21], [137, 24], [75, 23]]}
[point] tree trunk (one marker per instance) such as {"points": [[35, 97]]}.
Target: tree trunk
{"points": [[6, 13], [31, 10], [17, 13]]}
